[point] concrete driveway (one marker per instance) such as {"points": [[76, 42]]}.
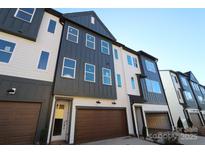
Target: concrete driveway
{"points": [[190, 139], [127, 140]]}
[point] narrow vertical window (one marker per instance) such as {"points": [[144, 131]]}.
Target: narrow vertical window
{"points": [[133, 83], [119, 80], [89, 72], [106, 76], [135, 62], [43, 61], [92, 19], [116, 54], [51, 26], [6, 50], [129, 60]]}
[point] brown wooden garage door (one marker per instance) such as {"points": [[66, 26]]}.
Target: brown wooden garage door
{"points": [[158, 122], [195, 119], [18, 122], [97, 124]]}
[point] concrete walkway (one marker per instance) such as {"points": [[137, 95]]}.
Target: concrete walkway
{"points": [[192, 140], [127, 140]]}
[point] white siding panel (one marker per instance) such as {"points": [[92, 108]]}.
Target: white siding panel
{"points": [[25, 57]]}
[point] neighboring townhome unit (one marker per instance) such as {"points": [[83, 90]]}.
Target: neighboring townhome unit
{"points": [[181, 99], [199, 92], [85, 106], [29, 44], [149, 105]]}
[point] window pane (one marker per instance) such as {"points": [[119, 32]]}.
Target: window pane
{"points": [[156, 87], [89, 77], [7, 46], [119, 81], [90, 45], [90, 38], [105, 47], [148, 85], [188, 95], [133, 83], [4, 57], [107, 80], [24, 16], [150, 66], [69, 63], [52, 26], [184, 82], [28, 10], [68, 72], [43, 60], [72, 38], [116, 54], [73, 31], [129, 60], [104, 50], [135, 62], [90, 68], [104, 44], [106, 72]]}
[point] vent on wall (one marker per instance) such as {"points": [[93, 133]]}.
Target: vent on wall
{"points": [[92, 20]]}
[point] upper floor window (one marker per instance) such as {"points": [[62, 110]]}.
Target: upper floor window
{"points": [[69, 68], [51, 26], [116, 54], [203, 91], [135, 62], [188, 95], [72, 34], [105, 47], [106, 76], [195, 86], [6, 50], [89, 72], [150, 66], [119, 80], [90, 41], [92, 20], [184, 81], [25, 14], [153, 86], [129, 60], [200, 99], [133, 83], [43, 61]]}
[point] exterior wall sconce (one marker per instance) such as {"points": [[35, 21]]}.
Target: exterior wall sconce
{"points": [[98, 102], [114, 103], [11, 91]]}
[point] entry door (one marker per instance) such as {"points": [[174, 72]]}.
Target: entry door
{"points": [[61, 120], [139, 119]]}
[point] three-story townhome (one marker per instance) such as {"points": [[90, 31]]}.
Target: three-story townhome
{"points": [[198, 91], [29, 44], [86, 106], [181, 99]]}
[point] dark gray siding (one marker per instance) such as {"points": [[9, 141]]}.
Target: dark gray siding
{"points": [[12, 25], [152, 98], [28, 91], [82, 54], [84, 19], [193, 103]]}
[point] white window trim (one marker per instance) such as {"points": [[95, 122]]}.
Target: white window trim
{"points": [[89, 72], [32, 15], [89, 41], [114, 53], [68, 67], [106, 76], [105, 47], [49, 24], [72, 34]]}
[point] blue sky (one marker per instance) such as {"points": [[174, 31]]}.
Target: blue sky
{"points": [[175, 36]]}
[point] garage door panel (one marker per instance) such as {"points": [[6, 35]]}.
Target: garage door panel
{"points": [[97, 124], [18, 121], [158, 121]]}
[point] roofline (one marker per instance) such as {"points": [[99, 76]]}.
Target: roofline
{"points": [[54, 12], [141, 52]]}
